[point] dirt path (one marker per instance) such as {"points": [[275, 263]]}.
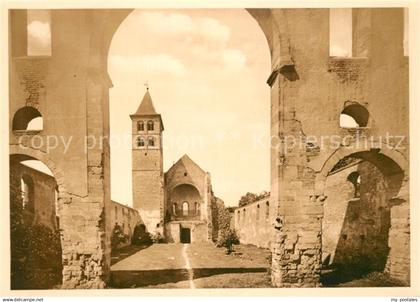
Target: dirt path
{"points": [[184, 266]]}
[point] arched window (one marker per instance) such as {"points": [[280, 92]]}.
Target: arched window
{"points": [[258, 212], [267, 210], [140, 126], [185, 208], [243, 218], [150, 126], [151, 141], [354, 116], [239, 216], [27, 118], [27, 191], [174, 208], [140, 141], [355, 179]]}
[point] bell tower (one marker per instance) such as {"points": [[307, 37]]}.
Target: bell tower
{"points": [[147, 165]]}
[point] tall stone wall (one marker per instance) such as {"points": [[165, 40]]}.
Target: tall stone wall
{"points": [[44, 196], [72, 97], [254, 223], [125, 217]]}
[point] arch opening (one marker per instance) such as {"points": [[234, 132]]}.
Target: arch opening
{"points": [[187, 77], [360, 190], [185, 201], [34, 219], [27, 119], [354, 116]]}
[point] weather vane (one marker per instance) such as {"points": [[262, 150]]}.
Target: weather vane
{"points": [[147, 85]]}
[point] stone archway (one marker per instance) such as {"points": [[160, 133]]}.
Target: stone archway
{"points": [[38, 221], [390, 162], [30, 153]]}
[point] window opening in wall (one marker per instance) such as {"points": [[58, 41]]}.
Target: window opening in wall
{"points": [[354, 116], [341, 32], [27, 118], [267, 210], [39, 32], [151, 141], [355, 179], [140, 142], [185, 208]]}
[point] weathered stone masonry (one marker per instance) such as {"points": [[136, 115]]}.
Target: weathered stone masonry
{"points": [[308, 91]]}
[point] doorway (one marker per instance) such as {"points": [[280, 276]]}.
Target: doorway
{"points": [[185, 235]]}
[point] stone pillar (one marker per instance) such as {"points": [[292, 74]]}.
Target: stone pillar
{"points": [[398, 262], [86, 229], [297, 251]]}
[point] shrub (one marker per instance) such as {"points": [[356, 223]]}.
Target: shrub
{"points": [[36, 255], [141, 236], [157, 238], [118, 237], [227, 239], [220, 218]]}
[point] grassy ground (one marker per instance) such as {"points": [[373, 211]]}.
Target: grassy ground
{"points": [[374, 279], [163, 266]]}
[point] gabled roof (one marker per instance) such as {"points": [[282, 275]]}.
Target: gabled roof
{"points": [[188, 163], [146, 106], [194, 174]]}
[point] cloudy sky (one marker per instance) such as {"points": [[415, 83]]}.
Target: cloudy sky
{"points": [[206, 70]]}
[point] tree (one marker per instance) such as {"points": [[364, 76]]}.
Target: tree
{"points": [[251, 197]]}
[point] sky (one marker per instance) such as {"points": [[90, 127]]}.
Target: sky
{"points": [[207, 72]]}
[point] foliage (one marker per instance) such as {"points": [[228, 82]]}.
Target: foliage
{"points": [[251, 197], [36, 255], [157, 238], [227, 239], [141, 236], [118, 237], [221, 218]]}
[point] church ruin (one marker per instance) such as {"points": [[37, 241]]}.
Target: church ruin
{"points": [[69, 89]]}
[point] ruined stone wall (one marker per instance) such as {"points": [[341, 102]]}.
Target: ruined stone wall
{"points": [[70, 93], [126, 217], [340, 192], [308, 94], [254, 223], [356, 229], [198, 231], [44, 196]]}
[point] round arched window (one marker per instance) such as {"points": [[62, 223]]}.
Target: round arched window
{"points": [[354, 116], [27, 118], [185, 208]]}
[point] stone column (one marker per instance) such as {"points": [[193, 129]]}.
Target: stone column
{"points": [[398, 263]]}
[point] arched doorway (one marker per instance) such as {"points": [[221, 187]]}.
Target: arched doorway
{"points": [[362, 190], [36, 249]]}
